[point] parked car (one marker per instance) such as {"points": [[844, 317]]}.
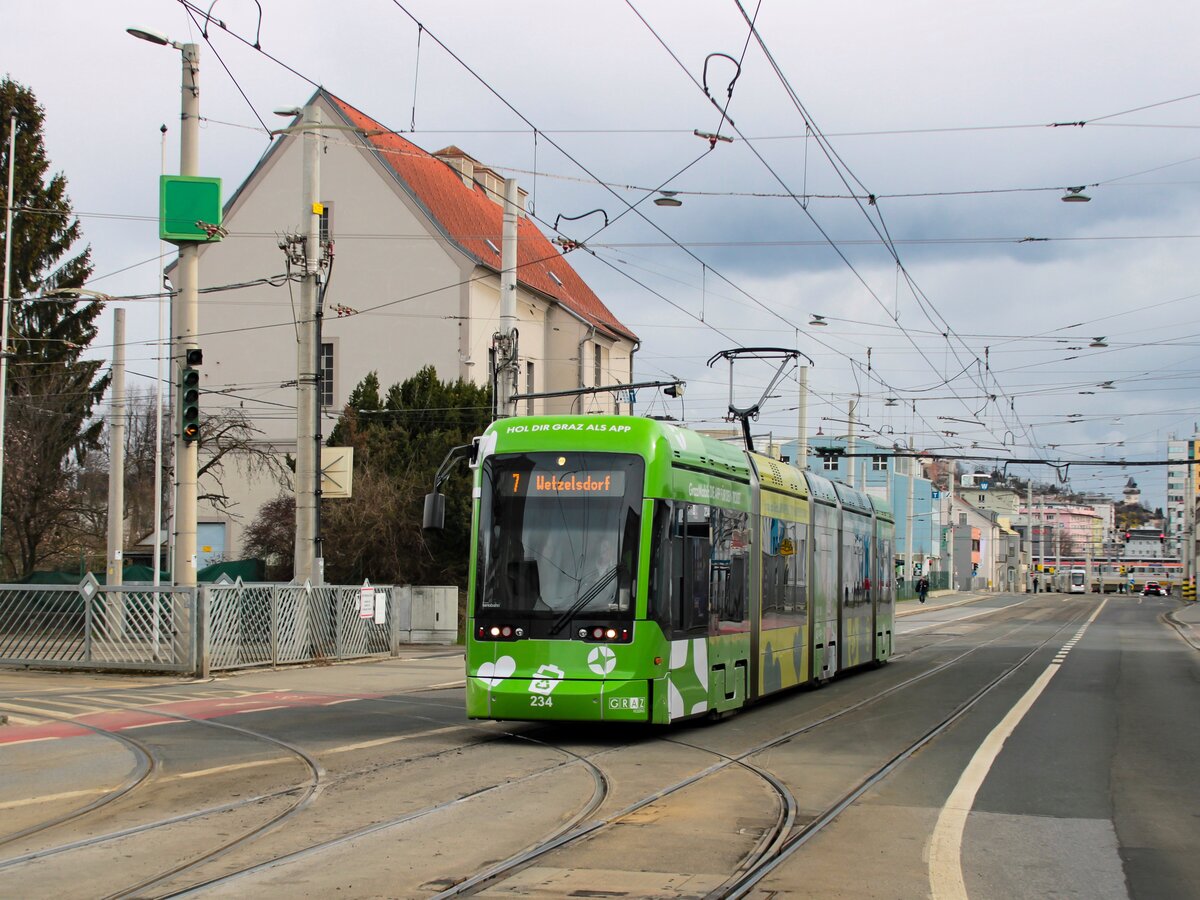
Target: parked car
{"points": [[1153, 589]]}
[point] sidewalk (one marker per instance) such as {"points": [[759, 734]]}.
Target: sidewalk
{"points": [[1186, 620]]}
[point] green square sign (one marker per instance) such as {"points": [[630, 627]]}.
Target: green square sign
{"points": [[183, 202]]}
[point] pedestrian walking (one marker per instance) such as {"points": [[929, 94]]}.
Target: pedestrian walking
{"points": [[1035, 584], [922, 588]]}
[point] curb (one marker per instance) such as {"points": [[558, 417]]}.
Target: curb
{"points": [[1185, 629]]}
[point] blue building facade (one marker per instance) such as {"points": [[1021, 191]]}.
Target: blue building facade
{"points": [[887, 477]]}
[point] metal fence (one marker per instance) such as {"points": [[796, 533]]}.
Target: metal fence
{"points": [[216, 627], [270, 624], [89, 626]]}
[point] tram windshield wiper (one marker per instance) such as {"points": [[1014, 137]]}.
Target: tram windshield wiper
{"points": [[584, 599]]}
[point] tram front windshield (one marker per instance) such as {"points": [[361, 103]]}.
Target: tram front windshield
{"points": [[558, 536]]}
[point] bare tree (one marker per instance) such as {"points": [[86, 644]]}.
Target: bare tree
{"points": [[271, 537], [228, 439]]}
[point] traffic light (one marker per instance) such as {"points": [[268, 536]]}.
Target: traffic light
{"points": [[189, 405]]}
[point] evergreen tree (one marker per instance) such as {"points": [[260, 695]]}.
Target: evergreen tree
{"points": [[51, 391], [400, 438]]}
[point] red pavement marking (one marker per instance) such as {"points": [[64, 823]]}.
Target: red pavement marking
{"points": [[208, 708]]}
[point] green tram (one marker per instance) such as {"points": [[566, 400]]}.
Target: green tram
{"points": [[626, 569]]}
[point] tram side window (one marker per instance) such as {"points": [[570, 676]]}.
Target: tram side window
{"points": [[785, 576], [729, 572], [798, 583], [666, 572], [694, 599]]}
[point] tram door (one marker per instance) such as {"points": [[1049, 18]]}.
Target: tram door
{"points": [[824, 591]]}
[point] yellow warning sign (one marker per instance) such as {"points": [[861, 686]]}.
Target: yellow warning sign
{"points": [[786, 547]]}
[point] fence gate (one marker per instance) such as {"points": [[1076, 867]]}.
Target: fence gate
{"points": [[269, 624], [232, 626], [95, 627]]}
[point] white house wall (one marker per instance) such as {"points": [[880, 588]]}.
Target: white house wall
{"points": [[384, 255], [420, 301]]}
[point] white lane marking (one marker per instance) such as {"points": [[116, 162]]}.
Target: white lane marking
{"points": [[231, 767], [448, 684], [945, 851], [156, 723], [50, 798], [379, 742], [340, 702], [42, 713]]}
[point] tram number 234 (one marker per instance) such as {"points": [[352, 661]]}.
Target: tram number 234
{"points": [[541, 701]]}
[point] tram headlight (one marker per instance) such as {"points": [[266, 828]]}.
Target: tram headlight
{"points": [[499, 632], [604, 633]]}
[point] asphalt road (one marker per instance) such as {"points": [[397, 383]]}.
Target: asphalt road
{"points": [[1017, 746]]}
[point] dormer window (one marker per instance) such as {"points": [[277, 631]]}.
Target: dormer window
{"points": [[495, 249]]}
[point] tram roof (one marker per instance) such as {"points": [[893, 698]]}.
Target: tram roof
{"points": [[774, 475]]}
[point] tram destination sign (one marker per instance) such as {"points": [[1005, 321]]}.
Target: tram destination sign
{"points": [[541, 483]]}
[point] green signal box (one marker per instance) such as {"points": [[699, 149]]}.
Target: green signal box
{"points": [[189, 209]]}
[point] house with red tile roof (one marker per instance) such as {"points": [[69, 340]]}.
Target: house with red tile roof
{"points": [[415, 281]]}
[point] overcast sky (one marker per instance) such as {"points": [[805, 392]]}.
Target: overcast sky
{"points": [[945, 113]]}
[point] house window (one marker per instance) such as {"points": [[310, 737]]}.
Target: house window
{"points": [[983, 498], [879, 464], [326, 223], [974, 544], [529, 388], [597, 365], [326, 374], [829, 462]]}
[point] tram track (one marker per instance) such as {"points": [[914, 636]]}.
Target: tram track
{"points": [[773, 845], [185, 817], [756, 869], [599, 794], [147, 764], [579, 827], [307, 794]]}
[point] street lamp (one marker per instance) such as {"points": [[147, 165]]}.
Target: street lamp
{"points": [[186, 325]]}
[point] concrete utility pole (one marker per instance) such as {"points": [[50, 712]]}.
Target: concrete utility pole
{"points": [[1029, 535], [953, 524], [116, 455], [308, 400], [802, 421], [910, 523], [1041, 545], [187, 453], [8, 241], [158, 403], [506, 337], [851, 445], [1189, 520]]}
